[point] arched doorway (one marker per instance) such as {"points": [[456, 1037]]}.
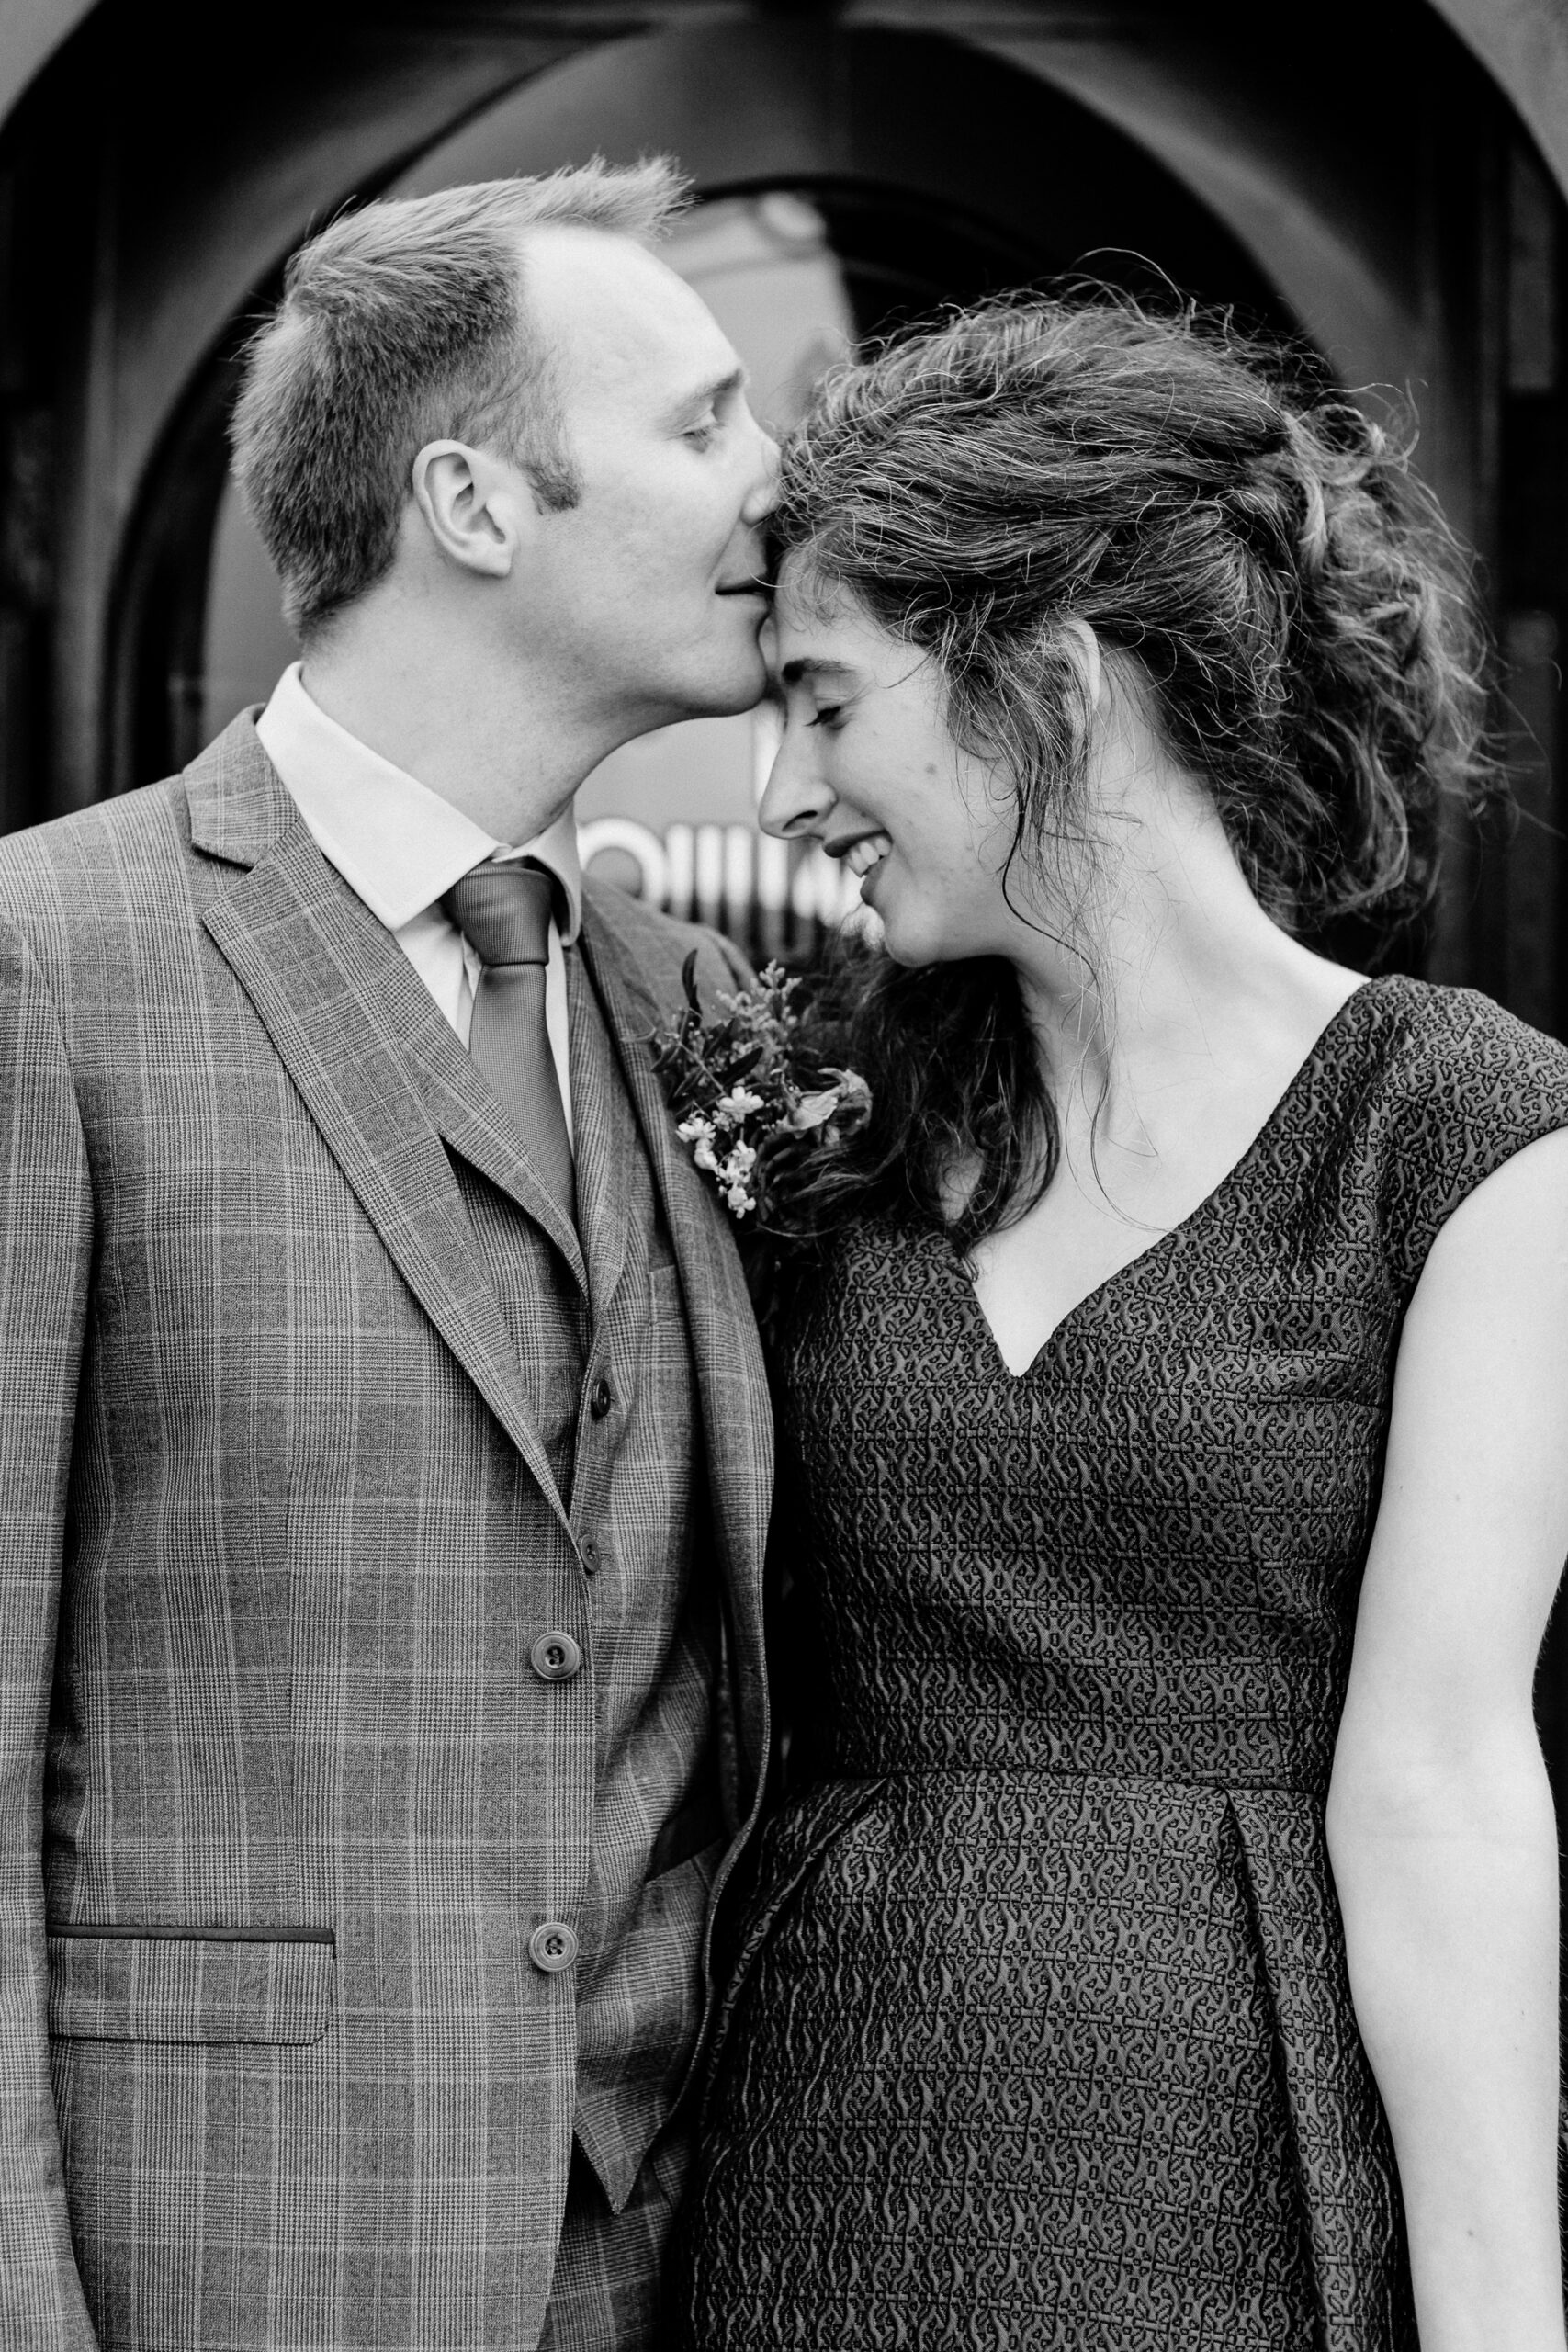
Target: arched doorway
{"points": [[846, 182]]}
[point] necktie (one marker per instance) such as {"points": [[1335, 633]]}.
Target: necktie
{"points": [[504, 912]]}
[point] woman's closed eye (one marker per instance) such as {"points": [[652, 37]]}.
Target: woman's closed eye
{"points": [[828, 713]]}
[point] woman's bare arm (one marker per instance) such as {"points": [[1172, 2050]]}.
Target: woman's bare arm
{"points": [[1440, 1820]]}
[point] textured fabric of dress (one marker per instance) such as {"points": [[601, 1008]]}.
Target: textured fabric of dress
{"points": [[1039, 2033]]}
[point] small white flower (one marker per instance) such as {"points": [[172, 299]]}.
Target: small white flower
{"points": [[699, 1133], [738, 1164], [739, 1103], [738, 1200]]}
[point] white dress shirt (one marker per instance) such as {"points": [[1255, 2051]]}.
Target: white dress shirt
{"points": [[399, 847]]}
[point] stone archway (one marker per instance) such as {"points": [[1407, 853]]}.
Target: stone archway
{"points": [[172, 197], [935, 171]]}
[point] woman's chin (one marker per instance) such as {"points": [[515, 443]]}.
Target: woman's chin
{"points": [[912, 934], [895, 934], [913, 944]]}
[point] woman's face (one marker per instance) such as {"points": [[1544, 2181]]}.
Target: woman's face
{"points": [[868, 768]]}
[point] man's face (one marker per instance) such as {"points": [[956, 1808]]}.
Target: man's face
{"points": [[644, 596]]}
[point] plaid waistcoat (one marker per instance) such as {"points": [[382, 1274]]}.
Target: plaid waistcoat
{"points": [[638, 1801]]}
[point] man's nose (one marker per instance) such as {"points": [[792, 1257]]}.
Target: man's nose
{"points": [[795, 800], [760, 497]]}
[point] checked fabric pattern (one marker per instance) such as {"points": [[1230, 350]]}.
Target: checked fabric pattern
{"points": [[1040, 2035], [316, 1414]]}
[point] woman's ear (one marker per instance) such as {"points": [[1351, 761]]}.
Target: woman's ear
{"points": [[1082, 650], [471, 506]]}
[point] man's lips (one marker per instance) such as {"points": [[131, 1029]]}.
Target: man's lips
{"points": [[749, 587]]}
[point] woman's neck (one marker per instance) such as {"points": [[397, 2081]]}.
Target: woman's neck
{"points": [[1182, 979]]}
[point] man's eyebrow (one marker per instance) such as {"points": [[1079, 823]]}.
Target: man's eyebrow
{"points": [[708, 395]]}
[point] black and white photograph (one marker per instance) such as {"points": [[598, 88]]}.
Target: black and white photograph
{"points": [[783, 1175]]}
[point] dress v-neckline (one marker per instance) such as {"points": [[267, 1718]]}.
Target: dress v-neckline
{"points": [[1174, 1233]]}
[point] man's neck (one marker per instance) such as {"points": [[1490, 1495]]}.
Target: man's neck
{"points": [[473, 732]]}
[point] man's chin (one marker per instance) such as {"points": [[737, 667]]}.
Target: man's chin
{"points": [[738, 686]]}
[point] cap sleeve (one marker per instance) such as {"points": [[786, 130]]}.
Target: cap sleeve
{"points": [[1468, 1087]]}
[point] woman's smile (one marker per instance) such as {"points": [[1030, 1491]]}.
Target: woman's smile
{"points": [[864, 854]]}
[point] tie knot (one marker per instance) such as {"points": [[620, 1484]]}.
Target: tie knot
{"points": [[504, 912]]}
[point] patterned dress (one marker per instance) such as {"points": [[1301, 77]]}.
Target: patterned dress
{"points": [[1039, 2033]]}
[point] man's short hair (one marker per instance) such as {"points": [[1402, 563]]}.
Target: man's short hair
{"points": [[404, 323]]}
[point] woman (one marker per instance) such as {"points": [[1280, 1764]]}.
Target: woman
{"points": [[1159, 1947]]}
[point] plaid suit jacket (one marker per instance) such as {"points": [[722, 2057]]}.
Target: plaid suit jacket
{"points": [[249, 1357]]}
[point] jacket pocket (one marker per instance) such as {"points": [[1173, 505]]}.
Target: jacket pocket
{"points": [[171, 1984]]}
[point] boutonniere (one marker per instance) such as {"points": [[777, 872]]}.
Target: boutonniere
{"points": [[749, 1097]]}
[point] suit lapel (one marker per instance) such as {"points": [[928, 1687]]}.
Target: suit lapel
{"points": [[737, 1420], [600, 1124], [377, 1066], [467, 1115]]}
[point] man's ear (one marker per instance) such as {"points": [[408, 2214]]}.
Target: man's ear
{"points": [[475, 509]]}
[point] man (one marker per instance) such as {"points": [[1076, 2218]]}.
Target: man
{"points": [[384, 1453]]}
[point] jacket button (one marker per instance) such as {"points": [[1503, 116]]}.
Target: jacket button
{"points": [[601, 1399], [555, 1657], [590, 1554], [552, 1947]]}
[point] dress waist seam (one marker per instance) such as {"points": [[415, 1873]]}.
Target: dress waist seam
{"points": [[1226, 1786]]}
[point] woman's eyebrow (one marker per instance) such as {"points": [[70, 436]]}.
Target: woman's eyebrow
{"points": [[811, 665]]}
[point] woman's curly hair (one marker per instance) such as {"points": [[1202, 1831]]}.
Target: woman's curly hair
{"points": [[1265, 554]]}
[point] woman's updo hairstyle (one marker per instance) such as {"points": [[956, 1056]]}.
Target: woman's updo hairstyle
{"points": [[1286, 585]]}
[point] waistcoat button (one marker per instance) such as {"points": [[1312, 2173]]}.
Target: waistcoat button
{"points": [[603, 1396], [555, 1657], [552, 1947]]}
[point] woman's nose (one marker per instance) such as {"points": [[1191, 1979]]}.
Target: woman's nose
{"points": [[795, 800]]}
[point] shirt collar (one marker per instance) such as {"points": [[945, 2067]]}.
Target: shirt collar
{"points": [[397, 844]]}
